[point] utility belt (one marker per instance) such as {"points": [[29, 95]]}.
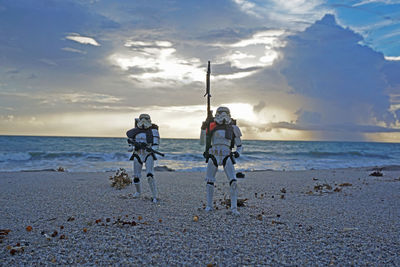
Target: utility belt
{"points": [[135, 155], [209, 156]]}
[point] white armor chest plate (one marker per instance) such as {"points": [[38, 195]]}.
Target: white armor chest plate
{"points": [[141, 138], [218, 138]]}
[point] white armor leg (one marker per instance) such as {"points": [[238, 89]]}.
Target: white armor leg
{"points": [[150, 177], [230, 174], [137, 173], [210, 179]]}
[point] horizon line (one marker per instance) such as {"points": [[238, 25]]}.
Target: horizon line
{"points": [[180, 138]]}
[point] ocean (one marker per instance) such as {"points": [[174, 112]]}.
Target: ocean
{"points": [[87, 154]]}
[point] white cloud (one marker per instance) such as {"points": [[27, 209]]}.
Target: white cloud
{"points": [[157, 64], [73, 50], [48, 62], [358, 101], [366, 2], [247, 7], [88, 97], [82, 39], [269, 38], [257, 51], [393, 58]]}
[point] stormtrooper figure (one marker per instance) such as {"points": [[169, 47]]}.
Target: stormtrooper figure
{"points": [[145, 135], [224, 136]]}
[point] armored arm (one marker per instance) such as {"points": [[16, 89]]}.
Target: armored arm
{"points": [[238, 141], [156, 139]]}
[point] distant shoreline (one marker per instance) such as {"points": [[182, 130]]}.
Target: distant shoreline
{"points": [[181, 138]]}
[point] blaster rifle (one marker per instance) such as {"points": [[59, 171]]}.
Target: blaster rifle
{"points": [[139, 145], [209, 118]]}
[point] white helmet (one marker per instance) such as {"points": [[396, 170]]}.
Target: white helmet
{"points": [[144, 121], [223, 116]]}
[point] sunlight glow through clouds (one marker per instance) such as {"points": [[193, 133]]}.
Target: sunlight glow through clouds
{"points": [[159, 62], [246, 56]]}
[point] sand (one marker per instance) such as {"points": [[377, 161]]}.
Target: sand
{"points": [[315, 218]]}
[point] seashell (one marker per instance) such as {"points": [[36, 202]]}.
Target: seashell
{"points": [[195, 218], [29, 228]]}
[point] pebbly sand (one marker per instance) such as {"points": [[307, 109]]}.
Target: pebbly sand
{"points": [[310, 218]]}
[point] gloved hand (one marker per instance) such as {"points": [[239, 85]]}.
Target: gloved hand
{"points": [[236, 154], [206, 154]]}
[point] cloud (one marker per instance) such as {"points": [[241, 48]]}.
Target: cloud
{"points": [[345, 81], [366, 2], [393, 58], [73, 50], [160, 57], [260, 106], [327, 128], [82, 39]]}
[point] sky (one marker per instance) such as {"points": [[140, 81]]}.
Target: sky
{"points": [[288, 70]]}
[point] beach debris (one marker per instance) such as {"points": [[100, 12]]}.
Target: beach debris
{"points": [[120, 222], [240, 175], [241, 202], [376, 173], [16, 249], [120, 179], [277, 222], [4, 231], [259, 217], [282, 196], [283, 190], [54, 234], [28, 228], [315, 179], [70, 219], [322, 187], [195, 218], [163, 168], [348, 229], [326, 188], [3, 234], [61, 169], [85, 230]]}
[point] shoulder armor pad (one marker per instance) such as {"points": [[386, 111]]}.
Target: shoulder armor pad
{"points": [[130, 133], [154, 126], [236, 131]]}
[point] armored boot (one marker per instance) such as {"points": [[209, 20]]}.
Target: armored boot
{"points": [[138, 186], [210, 193], [153, 188], [233, 192]]}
